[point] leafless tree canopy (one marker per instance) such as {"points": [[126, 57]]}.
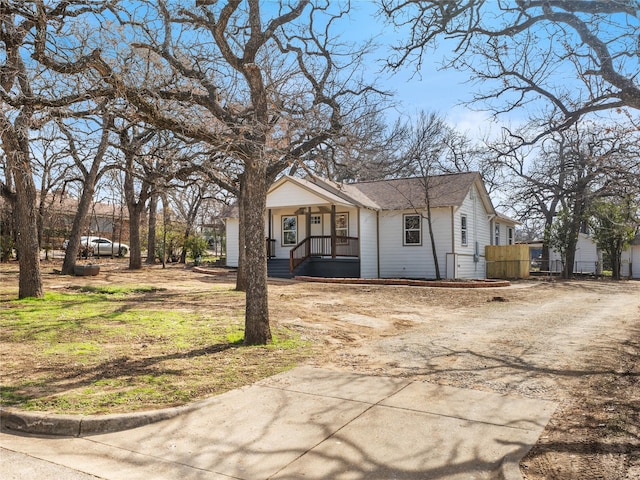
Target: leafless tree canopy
{"points": [[579, 56]]}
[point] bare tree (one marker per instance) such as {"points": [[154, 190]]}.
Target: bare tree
{"points": [[33, 83], [569, 172], [579, 56], [421, 156], [88, 160], [51, 168], [135, 142], [260, 84]]}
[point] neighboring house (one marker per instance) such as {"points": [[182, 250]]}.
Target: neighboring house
{"points": [[104, 220], [588, 259], [504, 230], [378, 229], [631, 260]]}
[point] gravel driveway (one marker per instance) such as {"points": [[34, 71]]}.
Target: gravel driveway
{"points": [[573, 342]]}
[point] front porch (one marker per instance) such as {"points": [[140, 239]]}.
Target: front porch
{"points": [[315, 267], [317, 255]]}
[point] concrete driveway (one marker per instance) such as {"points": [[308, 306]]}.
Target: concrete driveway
{"points": [[307, 423]]}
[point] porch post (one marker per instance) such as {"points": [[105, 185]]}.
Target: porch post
{"points": [[270, 253], [333, 231], [308, 232]]}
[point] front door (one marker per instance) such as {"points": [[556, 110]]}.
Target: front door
{"points": [[316, 225]]}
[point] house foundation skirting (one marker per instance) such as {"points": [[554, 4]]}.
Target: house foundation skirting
{"points": [[330, 267]]}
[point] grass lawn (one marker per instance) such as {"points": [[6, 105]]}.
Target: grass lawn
{"points": [[105, 348]]}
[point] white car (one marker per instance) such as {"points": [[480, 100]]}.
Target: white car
{"points": [[102, 246]]}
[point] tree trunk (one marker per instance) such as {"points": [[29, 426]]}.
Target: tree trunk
{"points": [[185, 236], [574, 233], [151, 236], [616, 259], [241, 276], [135, 252], [434, 251], [79, 221], [135, 213], [26, 223], [257, 330]]}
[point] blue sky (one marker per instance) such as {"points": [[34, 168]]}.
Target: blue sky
{"points": [[430, 89]]}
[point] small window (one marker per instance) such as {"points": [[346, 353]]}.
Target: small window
{"points": [[316, 220], [510, 236], [289, 230], [463, 229], [497, 235], [412, 230]]}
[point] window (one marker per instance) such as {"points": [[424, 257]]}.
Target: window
{"points": [[463, 229], [289, 230], [342, 227], [316, 220], [412, 230], [497, 235], [510, 235]]}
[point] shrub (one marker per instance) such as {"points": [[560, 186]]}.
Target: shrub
{"points": [[196, 245]]}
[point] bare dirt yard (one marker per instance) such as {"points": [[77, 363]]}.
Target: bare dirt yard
{"points": [[574, 342]]}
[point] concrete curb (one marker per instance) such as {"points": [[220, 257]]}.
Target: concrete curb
{"points": [[42, 423], [219, 272]]}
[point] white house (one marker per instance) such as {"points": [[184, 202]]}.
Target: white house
{"points": [[378, 229], [631, 260], [503, 229], [588, 259]]}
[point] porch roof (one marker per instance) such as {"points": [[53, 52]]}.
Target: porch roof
{"points": [[312, 192]]}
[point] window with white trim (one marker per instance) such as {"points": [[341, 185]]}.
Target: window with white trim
{"points": [[510, 236], [497, 234], [316, 219], [463, 230], [289, 230], [412, 229], [342, 227]]}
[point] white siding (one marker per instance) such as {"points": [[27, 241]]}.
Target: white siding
{"points": [[413, 261], [587, 256], [478, 230], [634, 256], [368, 244], [282, 251], [504, 233], [626, 258], [232, 241], [289, 194]]}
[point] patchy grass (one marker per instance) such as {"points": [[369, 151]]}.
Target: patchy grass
{"points": [[97, 349]]}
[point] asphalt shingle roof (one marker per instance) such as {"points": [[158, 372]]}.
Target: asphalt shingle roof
{"points": [[444, 191]]}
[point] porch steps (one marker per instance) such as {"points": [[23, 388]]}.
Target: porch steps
{"points": [[278, 268]]}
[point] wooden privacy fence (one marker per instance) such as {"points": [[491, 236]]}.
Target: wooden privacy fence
{"points": [[507, 261]]}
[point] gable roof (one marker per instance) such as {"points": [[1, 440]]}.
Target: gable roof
{"points": [[321, 188], [444, 191], [501, 217], [448, 190]]}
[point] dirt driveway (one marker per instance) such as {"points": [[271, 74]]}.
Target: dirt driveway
{"points": [[577, 343]]}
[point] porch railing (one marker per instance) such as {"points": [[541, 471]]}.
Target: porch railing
{"points": [[320, 246]]}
